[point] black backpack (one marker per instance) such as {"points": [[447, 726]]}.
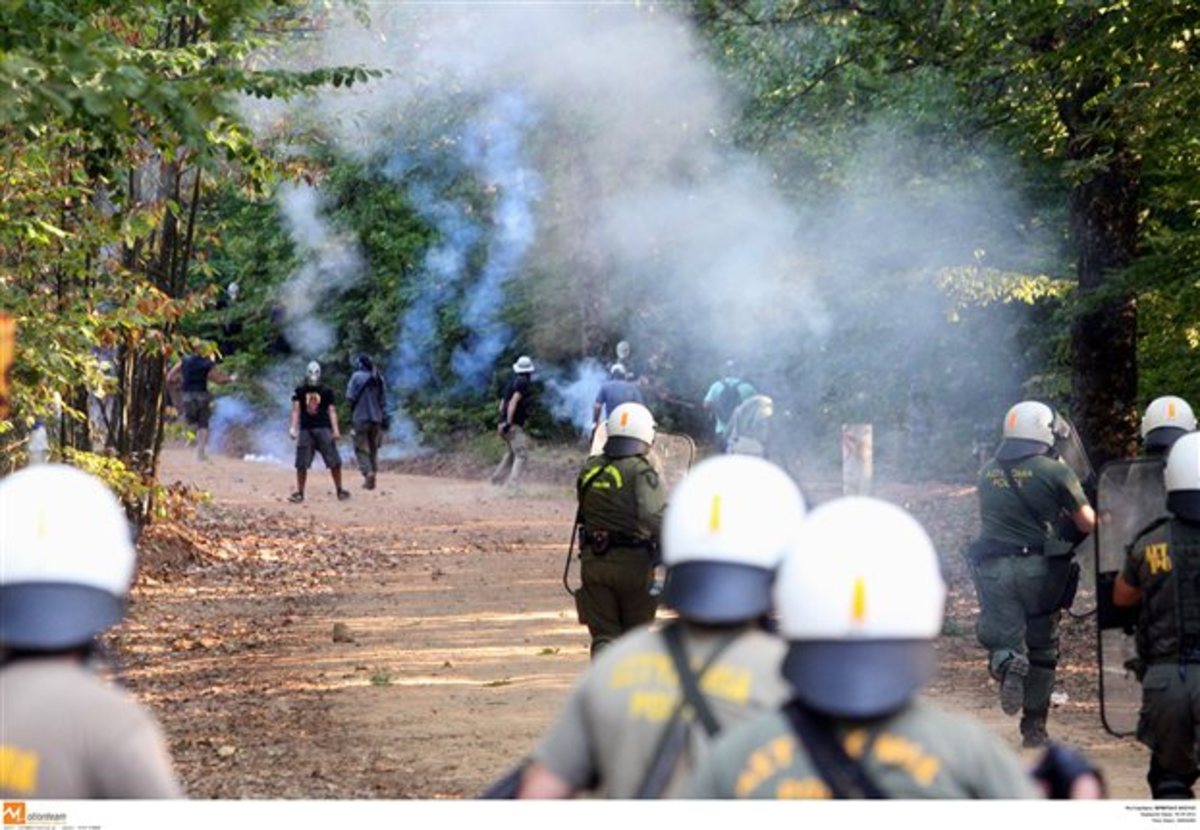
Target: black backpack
{"points": [[729, 399]]}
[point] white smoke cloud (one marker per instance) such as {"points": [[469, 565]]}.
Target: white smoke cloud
{"points": [[330, 263]]}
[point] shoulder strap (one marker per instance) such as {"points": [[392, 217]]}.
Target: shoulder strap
{"points": [[1033, 514], [689, 681], [674, 737], [843, 775]]}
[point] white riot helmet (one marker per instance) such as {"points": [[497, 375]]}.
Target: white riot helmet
{"points": [[1030, 428], [630, 429], [66, 559], [313, 373], [524, 365], [860, 599], [1166, 420], [1182, 477], [729, 523]]}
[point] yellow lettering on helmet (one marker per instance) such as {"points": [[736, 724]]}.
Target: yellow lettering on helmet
{"points": [[624, 419], [1012, 420], [42, 525], [859, 609], [1171, 410], [714, 514]]}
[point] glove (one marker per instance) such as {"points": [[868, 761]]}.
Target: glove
{"points": [[292, 432], [1061, 768]]}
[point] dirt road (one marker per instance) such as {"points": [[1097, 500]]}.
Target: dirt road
{"points": [[414, 641]]}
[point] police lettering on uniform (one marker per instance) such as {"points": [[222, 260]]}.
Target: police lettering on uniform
{"points": [[645, 712], [1021, 563], [66, 561], [860, 599], [1162, 575], [621, 504]]}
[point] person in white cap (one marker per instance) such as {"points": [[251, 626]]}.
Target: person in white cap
{"points": [[648, 708], [66, 562], [860, 599], [515, 403]]}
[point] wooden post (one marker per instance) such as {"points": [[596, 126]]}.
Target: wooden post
{"points": [[8, 352], [857, 459]]}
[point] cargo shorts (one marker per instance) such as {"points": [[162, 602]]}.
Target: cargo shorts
{"points": [[312, 441]]}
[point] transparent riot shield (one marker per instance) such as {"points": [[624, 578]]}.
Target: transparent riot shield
{"points": [[1070, 449], [1130, 495], [673, 455]]}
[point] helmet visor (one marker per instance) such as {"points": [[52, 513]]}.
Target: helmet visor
{"points": [[718, 592], [858, 679], [55, 616]]}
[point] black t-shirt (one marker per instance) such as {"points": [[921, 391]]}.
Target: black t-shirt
{"points": [[195, 371], [523, 384], [314, 406]]}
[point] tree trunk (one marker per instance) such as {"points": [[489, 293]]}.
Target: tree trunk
{"points": [[1104, 227]]}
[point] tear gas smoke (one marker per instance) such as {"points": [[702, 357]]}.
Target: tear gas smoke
{"points": [[598, 136], [572, 396]]}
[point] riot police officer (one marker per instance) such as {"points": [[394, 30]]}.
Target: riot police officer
{"points": [[1022, 563], [649, 705], [621, 504], [860, 599], [66, 562], [1162, 574], [1166, 420]]}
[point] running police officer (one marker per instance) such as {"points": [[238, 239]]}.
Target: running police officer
{"points": [[1021, 563]]}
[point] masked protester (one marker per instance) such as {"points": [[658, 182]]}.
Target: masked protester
{"points": [[314, 428], [66, 561], [516, 402], [649, 706], [1162, 576], [860, 599], [1022, 566]]}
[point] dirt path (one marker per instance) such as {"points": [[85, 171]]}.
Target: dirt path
{"points": [[455, 643]]}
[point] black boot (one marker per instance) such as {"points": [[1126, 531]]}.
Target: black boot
{"points": [[1033, 730]]}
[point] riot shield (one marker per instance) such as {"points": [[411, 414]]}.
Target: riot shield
{"points": [[1070, 449], [673, 455], [1130, 495]]}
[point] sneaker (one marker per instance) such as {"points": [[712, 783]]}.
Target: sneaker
{"points": [[1012, 685], [296, 498], [343, 495]]}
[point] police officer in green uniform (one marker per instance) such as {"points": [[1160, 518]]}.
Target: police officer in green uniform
{"points": [[860, 599], [1166, 420], [625, 730], [621, 504], [1022, 564], [1162, 574]]}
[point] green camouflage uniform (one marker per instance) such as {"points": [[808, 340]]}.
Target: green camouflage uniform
{"points": [[1023, 575], [918, 752], [620, 512], [1165, 564]]}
